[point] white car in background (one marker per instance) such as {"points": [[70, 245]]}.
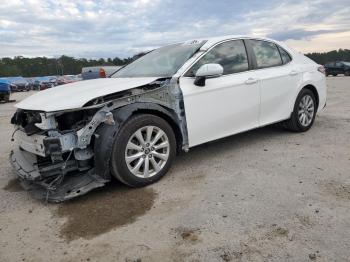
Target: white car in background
{"points": [[73, 138]]}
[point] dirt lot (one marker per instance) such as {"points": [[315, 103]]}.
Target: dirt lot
{"points": [[266, 195]]}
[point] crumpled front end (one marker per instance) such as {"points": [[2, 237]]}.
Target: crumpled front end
{"points": [[66, 153], [54, 155]]}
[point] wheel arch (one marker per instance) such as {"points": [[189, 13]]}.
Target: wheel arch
{"points": [[313, 89], [124, 113], [306, 85], [105, 134]]}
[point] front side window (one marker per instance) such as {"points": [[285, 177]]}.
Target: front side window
{"points": [[285, 56], [232, 56], [266, 54]]}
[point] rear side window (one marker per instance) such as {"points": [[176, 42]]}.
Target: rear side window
{"points": [[285, 56], [231, 55], [266, 54]]}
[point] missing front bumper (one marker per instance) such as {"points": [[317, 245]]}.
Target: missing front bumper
{"points": [[72, 185]]}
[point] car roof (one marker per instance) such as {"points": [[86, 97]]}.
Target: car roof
{"points": [[4, 80], [210, 41], [226, 37], [215, 39]]}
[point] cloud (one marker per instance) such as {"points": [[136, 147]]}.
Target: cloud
{"points": [[109, 28], [299, 34]]}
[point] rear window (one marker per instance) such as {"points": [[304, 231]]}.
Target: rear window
{"points": [[266, 53]]}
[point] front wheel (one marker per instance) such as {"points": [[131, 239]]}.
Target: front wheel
{"points": [[143, 150], [304, 112]]}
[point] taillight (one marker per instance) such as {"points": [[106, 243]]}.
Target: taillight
{"points": [[102, 73], [321, 69]]}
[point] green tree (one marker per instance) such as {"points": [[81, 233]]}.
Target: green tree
{"points": [[335, 55]]}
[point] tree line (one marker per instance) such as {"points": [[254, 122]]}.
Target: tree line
{"points": [[335, 55], [43, 66], [66, 65]]}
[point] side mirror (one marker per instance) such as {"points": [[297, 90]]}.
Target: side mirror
{"points": [[208, 71]]}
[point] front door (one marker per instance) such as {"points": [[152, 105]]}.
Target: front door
{"points": [[226, 105]]}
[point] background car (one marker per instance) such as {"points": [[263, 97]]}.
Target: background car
{"points": [[5, 90], [79, 77], [53, 80], [42, 83], [337, 68], [67, 79], [94, 72], [19, 84], [30, 81]]}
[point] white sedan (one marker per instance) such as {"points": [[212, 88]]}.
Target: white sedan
{"points": [[73, 138]]}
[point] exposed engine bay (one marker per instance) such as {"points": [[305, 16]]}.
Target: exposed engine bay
{"points": [[64, 154]]}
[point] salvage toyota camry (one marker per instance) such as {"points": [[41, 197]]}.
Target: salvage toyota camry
{"points": [[74, 138]]}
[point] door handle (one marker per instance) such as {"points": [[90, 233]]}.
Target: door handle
{"points": [[293, 73], [251, 81]]}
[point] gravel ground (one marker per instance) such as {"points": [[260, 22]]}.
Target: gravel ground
{"points": [[266, 195]]}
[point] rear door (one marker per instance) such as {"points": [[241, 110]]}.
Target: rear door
{"points": [[279, 78], [225, 105]]}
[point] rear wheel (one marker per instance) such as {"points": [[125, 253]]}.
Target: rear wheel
{"points": [[304, 112], [347, 73], [143, 150]]}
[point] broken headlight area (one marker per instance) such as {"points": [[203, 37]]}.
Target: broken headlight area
{"points": [[54, 156], [26, 121], [32, 122]]}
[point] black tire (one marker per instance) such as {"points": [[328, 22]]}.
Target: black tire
{"points": [[294, 124], [347, 73], [118, 165], [334, 74]]}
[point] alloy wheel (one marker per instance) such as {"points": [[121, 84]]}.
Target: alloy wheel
{"points": [[306, 110], [147, 151]]}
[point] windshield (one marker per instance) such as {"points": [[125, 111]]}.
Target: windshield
{"points": [[162, 62], [346, 63]]}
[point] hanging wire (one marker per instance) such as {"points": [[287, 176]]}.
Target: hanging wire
{"points": [[59, 179]]}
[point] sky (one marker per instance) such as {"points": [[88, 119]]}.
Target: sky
{"points": [[111, 28]]}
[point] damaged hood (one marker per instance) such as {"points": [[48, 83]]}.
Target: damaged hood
{"points": [[76, 95]]}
